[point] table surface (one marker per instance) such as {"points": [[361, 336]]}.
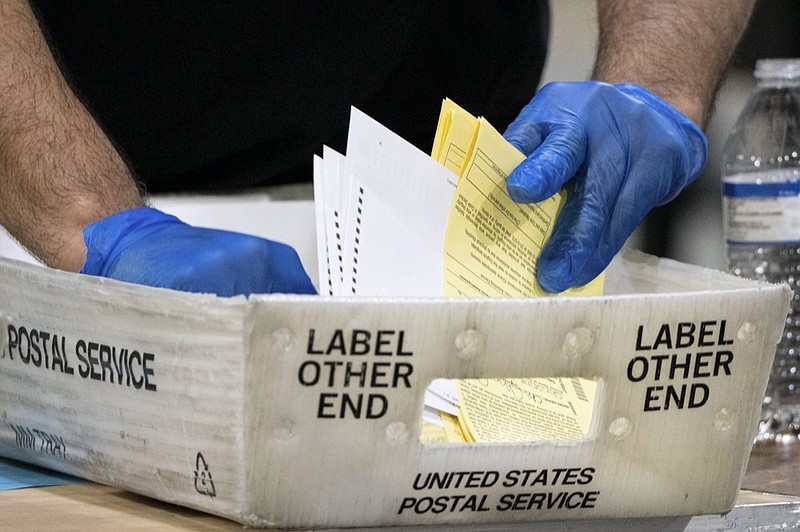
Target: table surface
{"points": [[772, 469]]}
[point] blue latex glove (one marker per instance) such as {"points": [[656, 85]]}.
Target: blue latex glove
{"points": [[147, 246], [619, 149]]}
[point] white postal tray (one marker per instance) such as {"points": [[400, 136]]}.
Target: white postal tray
{"points": [[227, 405]]}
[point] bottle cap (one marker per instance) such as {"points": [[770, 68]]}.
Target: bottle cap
{"points": [[778, 69]]}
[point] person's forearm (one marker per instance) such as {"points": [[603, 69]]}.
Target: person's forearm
{"points": [[58, 170], [677, 49]]}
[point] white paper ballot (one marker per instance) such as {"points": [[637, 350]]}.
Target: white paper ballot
{"points": [[323, 257], [386, 209], [417, 189], [435, 402], [335, 182]]}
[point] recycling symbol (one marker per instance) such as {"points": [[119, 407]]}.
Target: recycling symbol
{"points": [[202, 477]]}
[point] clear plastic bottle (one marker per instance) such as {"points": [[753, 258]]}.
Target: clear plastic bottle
{"points": [[761, 212]]}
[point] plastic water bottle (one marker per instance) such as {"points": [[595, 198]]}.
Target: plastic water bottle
{"points": [[761, 212]]}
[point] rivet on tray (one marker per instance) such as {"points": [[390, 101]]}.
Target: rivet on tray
{"points": [[284, 430], [396, 433], [469, 344], [577, 342], [723, 419], [282, 340], [620, 428], [746, 332]]}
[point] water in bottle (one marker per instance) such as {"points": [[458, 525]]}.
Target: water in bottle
{"points": [[761, 203]]}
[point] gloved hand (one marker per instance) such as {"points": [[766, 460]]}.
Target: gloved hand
{"points": [[147, 246], [619, 149]]}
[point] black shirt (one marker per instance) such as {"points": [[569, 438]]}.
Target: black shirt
{"points": [[213, 95]]}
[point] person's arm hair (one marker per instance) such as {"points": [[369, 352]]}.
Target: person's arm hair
{"points": [[678, 49], [58, 170]]}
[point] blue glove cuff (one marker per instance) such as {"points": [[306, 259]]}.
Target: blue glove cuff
{"points": [[695, 139], [110, 236]]}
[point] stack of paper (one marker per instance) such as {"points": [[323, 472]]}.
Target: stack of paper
{"points": [[381, 215], [394, 221], [492, 244], [507, 410]]}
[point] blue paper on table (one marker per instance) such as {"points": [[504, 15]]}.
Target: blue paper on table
{"points": [[16, 475]]}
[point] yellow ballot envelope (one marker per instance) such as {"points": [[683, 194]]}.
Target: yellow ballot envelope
{"points": [[492, 244]]}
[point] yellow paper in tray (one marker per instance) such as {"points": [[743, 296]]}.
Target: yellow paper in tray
{"points": [[454, 136], [453, 429], [492, 244], [432, 433], [525, 410]]}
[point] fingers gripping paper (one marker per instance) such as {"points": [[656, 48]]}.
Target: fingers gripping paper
{"points": [[491, 244], [391, 224]]}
